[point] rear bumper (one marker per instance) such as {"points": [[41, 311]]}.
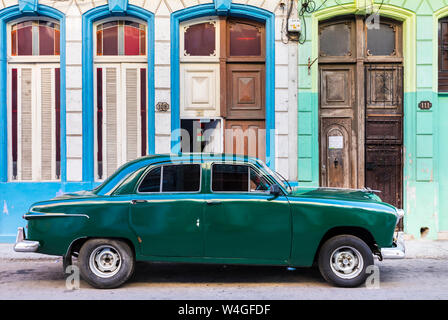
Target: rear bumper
{"points": [[23, 245], [398, 251]]}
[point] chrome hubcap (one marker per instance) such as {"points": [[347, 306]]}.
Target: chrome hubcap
{"points": [[105, 261], [346, 262]]}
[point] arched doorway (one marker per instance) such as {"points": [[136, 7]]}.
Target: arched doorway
{"points": [[34, 99], [222, 85], [120, 90], [361, 90]]}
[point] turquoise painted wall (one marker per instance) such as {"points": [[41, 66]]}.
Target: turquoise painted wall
{"points": [[425, 159], [443, 156]]}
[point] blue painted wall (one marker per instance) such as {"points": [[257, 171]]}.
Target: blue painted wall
{"points": [[15, 200]]}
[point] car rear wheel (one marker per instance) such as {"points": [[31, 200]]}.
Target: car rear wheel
{"points": [[343, 260], [106, 263]]}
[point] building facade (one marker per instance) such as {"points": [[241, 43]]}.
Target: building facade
{"points": [[358, 101]]}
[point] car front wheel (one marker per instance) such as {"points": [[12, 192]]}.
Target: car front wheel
{"points": [[343, 260], [106, 263]]}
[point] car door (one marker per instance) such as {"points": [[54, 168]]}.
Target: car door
{"points": [[242, 219], [167, 210]]}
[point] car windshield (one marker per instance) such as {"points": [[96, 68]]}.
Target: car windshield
{"points": [[278, 177]]}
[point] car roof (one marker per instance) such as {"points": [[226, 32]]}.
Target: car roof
{"points": [[203, 157], [134, 165]]}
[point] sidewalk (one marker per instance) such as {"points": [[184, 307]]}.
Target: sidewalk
{"points": [[415, 249]]}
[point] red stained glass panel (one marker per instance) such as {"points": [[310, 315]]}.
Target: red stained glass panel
{"points": [[25, 41], [131, 41], [46, 40], [200, 40], [245, 40], [110, 41]]}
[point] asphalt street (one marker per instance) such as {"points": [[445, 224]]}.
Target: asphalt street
{"points": [[417, 278]]}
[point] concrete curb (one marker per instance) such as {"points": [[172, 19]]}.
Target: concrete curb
{"points": [[415, 249]]}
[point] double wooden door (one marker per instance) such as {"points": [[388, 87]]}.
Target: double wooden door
{"points": [[361, 106]]}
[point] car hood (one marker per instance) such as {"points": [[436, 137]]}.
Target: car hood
{"points": [[76, 195], [337, 194]]}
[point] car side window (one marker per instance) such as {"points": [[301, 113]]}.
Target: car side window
{"points": [[230, 177], [257, 182], [237, 178], [181, 178], [175, 178], [151, 183]]}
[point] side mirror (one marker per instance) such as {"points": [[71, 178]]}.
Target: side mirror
{"points": [[275, 190]]}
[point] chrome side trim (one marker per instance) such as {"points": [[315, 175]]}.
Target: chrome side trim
{"points": [[23, 245], [396, 252], [52, 215]]}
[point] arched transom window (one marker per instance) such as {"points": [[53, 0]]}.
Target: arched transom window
{"points": [[34, 38], [118, 38]]}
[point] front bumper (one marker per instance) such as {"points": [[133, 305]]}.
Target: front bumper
{"points": [[23, 245], [398, 251]]}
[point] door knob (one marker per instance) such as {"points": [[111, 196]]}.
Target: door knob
{"points": [[336, 162]]}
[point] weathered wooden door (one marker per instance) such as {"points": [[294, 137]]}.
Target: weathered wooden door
{"points": [[361, 105], [384, 130], [337, 137]]}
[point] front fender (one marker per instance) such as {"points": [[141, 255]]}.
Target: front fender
{"points": [[312, 220]]}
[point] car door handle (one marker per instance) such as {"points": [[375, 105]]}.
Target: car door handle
{"points": [[138, 201], [213, 202]]}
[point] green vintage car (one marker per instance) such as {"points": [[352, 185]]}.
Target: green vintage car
{"points": [[212, 208]]}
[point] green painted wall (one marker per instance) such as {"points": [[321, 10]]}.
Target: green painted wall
{"points": [[443, 156], [425, 159]]}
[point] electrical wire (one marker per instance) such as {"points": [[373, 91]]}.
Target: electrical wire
{"points": [[307, 7]]}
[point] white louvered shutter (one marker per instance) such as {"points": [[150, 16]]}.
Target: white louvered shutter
{"points": [[26, 124], [47, 127], [132, 114], [110, 118]]}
